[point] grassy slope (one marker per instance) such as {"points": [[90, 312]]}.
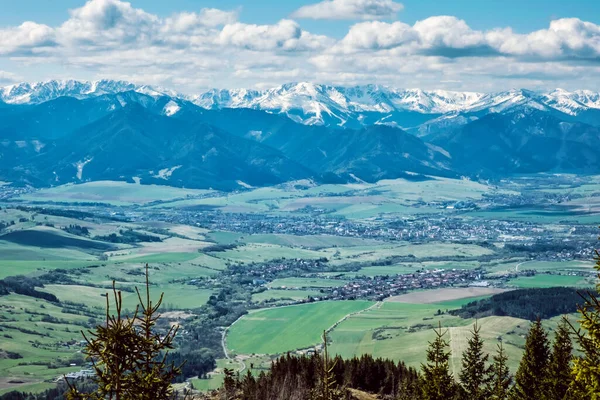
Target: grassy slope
{"points": [[282, 329]]}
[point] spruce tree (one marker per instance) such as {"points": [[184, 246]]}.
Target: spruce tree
{"points": [[327, 388], [559, 377], [128, 356], [586, 367], [437, 381], [501, 377], [532, 375], [475, 374]]}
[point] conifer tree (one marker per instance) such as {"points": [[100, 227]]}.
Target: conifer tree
{"points": [[586, 368], [501, 377], [475, 376], [532, 375], [437, 382], [128, 356], [559, 376], [326, 388]]}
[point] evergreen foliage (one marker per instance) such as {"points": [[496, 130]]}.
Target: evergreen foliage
{"points": [[298, 378], [532, 375], [586, 368], [475, 375], [327, 387], [527, 304], [501, 378], [128, 355], [559, 377], [437, 381]]}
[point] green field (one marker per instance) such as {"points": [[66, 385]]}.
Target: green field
{"points": [[274, 294], [402, 332], [291, 283], [111, 192], [545, 280], [278, 330], [39, 341]]}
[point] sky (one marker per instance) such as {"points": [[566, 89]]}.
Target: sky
{"points": [[193, 45]]}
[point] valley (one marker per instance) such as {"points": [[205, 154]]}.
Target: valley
{"points": [[263, 271]]}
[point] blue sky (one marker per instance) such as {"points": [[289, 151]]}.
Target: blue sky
{"points": [[479, 45]]}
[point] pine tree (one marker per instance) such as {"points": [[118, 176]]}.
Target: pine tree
{"points": [[326, 388], [501, 377], [437, 382], [586, 368], [559, 377], [532, 375], [128, 356], [475, 374]]}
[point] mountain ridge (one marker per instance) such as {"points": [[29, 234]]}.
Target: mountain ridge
{"points": [[320, 104]]}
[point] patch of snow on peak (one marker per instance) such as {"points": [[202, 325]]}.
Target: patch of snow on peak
{"points": [[244, 185], [171, 108], [166, 173], [79, 165]]}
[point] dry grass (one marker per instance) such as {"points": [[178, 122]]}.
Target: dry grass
{"points": [[445, 294]]}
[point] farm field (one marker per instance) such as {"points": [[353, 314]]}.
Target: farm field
{"points": [[306, 283], [248, 250], [111, 192], [282, 329], [443, 295], [545, 280], [402, 331], [277, 295]]}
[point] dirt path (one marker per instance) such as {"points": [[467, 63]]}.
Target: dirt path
{"points": [[519, 264], [224, 346], [239, 358]]}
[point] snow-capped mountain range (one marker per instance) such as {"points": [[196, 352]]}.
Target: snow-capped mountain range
{"points": [[71, 131], [316, 104]]}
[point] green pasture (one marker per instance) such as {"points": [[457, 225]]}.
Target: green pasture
{"points": [[282, 329], [111, 192], [277, 295], [402, 331], [547, 280], [292, 283]]}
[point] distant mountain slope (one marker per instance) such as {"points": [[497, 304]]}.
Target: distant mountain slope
{"points": [[133, 142], [70, 131], [369, 154], [522, 141], [336, 106]]}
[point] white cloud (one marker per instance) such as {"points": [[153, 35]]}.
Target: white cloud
{"points": [[448, 36], [25, 38], [212, 47], [105, 23], [207, 17], [8, 77], [350, 10], [285, 35]]}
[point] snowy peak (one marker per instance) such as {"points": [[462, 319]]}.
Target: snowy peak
{"points": [[40, 92], [317, 104]]}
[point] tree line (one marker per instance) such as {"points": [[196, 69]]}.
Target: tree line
{"points": [[527, 304]]}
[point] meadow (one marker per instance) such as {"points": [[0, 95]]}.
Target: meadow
{"points": [[192, 262], [282, 329]]}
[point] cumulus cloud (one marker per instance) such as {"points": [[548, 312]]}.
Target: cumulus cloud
{"points": [[285, 35], [8, 77], [350, 10], [106, 23], [212, 47], [448, 36], [25, 38]]}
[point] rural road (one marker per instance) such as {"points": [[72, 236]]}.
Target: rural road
{"points": [[519, 264], [241, 361], [224, 345]]}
